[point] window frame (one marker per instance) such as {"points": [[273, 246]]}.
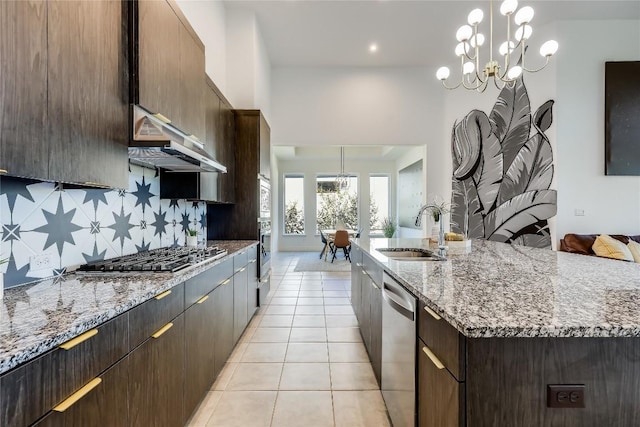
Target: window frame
{"points": [[389, 203], [284, 204]]}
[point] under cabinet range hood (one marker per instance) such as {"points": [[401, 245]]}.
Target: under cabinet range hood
{"points": [[156, 143]]}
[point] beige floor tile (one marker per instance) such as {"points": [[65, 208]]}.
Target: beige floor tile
{"points": [[344, 310], [310, 309], [307, 353], [352, 376], [255, 376], [343, 335], [264, 353], [247, 335], [243, 409], [342, 321], [303, 408], [308, 335], [205, 410], [310, 301], [337, 301], [347, 352], [309, 322], [279, 309], [360, 409], [288, 287], [332, 286], [271, 335], [283, 301], [305, 376], [224, 376], [276, 321], [237, 352], [285, 294], [316, 286], [335, 294], [311, 294]]}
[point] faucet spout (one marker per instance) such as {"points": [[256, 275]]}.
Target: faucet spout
{"points": [[420, 213]]}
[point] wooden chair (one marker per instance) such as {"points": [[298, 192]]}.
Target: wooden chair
{"points": [[341, 241]]}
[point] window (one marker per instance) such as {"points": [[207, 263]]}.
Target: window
{"points": [[294, 204], [334, 204], [379, 201]]}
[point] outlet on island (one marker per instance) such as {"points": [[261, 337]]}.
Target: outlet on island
{"points": [[565, 395], [41, 262]]}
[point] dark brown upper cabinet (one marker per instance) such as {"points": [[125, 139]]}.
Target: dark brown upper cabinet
{"points": [[169, 65], [88, 92], [23, 88]]}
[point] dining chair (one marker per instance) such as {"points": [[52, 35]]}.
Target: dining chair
{"points": [[327, 244], [341, 241]]}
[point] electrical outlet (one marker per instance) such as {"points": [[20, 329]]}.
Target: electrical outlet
{"points": [[578, 212], [565, 395], [41, 262]]}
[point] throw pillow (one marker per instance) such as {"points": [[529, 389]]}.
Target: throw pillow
{"points": [[634, 248], [608, 247]]}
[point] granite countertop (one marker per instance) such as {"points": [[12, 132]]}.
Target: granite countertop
{"points": [[501, 290], [38, 316]]}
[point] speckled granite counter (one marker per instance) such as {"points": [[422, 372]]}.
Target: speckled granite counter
{"points": [[500, 290], [37, 317]]}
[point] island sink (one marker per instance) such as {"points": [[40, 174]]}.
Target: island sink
{"points": [[410, 254]]}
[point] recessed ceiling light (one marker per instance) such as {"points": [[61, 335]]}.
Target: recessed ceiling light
{"points": [[373, 48]]}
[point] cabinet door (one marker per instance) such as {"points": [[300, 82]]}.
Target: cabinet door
{"points": [[157, 379], [223, 319], [265, 148], [88, 92], [23, 92], [440, 396], [226, 149], [159, 58], [191, 89], [213, 137], [199, 349], [375, 352], [365, 312], [356, 280], [252, 288], [240, 290]]}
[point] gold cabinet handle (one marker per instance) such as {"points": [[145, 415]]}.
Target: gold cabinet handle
{"points": [[252, 261], [162, 295], [69, 401], [79, 339], [432, 313], [203, 299], [162, 330], [242, 269], [433, 357], [374, 285], [161, 117], [225, 282], [3, 171]]}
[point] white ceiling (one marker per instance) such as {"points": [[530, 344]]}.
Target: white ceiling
{"points": [[352, 152], [337, 33]]}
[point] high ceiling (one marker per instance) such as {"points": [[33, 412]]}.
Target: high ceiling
{"points": [[360, 152], [330, 33]]}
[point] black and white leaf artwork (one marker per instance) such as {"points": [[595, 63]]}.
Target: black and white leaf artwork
{"points": [[502, 174]]}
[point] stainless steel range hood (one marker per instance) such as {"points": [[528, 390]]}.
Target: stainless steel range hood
{"points": [[158, 144]]}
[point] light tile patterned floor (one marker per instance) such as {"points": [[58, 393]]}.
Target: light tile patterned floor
{"points": [[300, 362]]}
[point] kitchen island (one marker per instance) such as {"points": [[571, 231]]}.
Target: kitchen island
{"points": [[508, 321]]}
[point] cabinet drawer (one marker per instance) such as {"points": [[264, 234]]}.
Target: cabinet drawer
{"points": [[200, 285], [372, 268], [252, 253], [440, 397], [79, 360], [25, 392], [240, 260], [443, 339], [150, 316]]}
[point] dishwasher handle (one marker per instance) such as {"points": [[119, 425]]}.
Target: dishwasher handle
{"points": [[397, 304]]}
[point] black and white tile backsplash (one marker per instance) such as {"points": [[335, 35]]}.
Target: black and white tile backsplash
{"points": [[77, 226]]}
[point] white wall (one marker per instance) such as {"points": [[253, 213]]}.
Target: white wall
{"points": [[311, 168], [350, 106], [208, 20]]}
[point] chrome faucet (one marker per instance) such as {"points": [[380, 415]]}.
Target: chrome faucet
{"points": [[441, 247]]}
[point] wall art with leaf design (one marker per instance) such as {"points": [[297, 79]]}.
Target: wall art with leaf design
{"points": [[502, 171]]}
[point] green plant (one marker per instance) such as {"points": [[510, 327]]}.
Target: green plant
{"points": [[388, 227], [294, 219], [437, 208], [191, 232]]}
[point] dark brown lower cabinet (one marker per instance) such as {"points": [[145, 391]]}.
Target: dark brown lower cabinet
{"points": [[223, 317], [240, 290], [440, 395], [375, 349], [252, 288], [364, 319], [199, 340], [157, 378]]}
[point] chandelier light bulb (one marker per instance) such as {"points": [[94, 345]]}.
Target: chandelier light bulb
{"points": [[524, 15], [549, 48], [508, 7], [442, 73], [464, 33], [477, 40], [468, 68], [514, 72], [503, 48], [462, 48], [524, 32], [475, 17]]}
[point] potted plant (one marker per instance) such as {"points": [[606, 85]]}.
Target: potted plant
{"points": [[192, 238], [388, 227]]}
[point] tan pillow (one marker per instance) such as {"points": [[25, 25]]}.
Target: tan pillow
{"points": [[634, 248], [608, 247]]}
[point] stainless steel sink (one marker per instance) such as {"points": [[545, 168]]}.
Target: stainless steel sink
{"points": [[410, 254]]}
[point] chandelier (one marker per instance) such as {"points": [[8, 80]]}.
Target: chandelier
{"points": [[342, 180], [472, 77]]}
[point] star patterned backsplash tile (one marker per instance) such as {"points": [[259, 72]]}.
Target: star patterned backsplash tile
{"points": [[76, 226]]}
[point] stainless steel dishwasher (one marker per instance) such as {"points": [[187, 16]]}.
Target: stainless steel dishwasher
{"points": [[398, 352]]}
